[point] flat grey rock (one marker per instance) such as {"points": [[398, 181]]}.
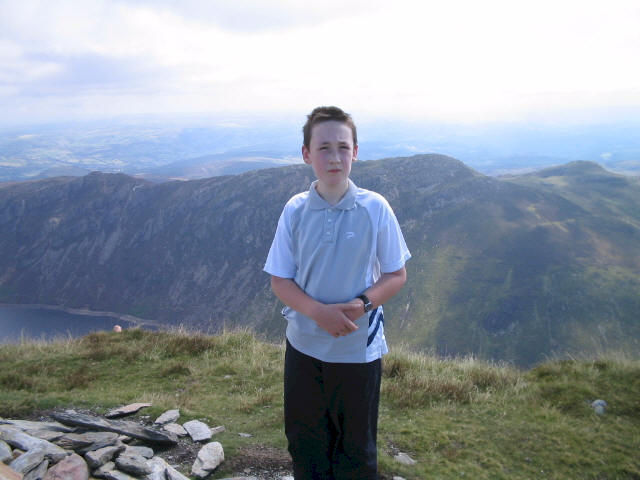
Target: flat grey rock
{"points": [[217, 430], [39, 472], [208, 459], [18, 439], [117, 475], [97, 458], [28, 461], [173, 474], [5, 452], [126, 410], [102, 471], [133, 464], [170, 416], [199, 431], [28, 425], [87, 441], [145, 452], [158, 468], [48, 435], [124, 427], [175, 428]]}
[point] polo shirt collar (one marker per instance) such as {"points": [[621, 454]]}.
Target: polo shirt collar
{"points": [[347, 202]]}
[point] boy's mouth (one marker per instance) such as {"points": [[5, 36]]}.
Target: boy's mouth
{"points": [[334, 170]]}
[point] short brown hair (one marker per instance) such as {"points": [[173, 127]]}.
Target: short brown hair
{"points": [[325, 114]]}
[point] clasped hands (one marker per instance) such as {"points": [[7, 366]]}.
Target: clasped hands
{"points": [[339, 318]]}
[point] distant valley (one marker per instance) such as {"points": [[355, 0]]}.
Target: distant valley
{"points": [[514, 268], [186, 149]]}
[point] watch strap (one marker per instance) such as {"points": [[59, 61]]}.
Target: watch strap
{"points": [[367, 303]]}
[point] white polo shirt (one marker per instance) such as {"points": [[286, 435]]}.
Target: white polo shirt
{"points": [[334, 253]]}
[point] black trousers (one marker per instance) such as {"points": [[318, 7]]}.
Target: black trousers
{"points": [[331, 417]]}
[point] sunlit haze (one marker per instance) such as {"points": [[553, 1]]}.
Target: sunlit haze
{"points": [[456, 61]]}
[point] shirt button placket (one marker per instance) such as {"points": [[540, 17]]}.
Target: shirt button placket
{"points": [[329, 226]]}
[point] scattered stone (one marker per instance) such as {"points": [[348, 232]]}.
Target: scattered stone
{"points": [[245, 435], [118, 426], [7, 473], [26, 442], [599, 406], [288, 477], [158, 468], [27, 461], [173, 474], [145, 452], [198, 430], [97, 458], [396, 477], [208, 459], [107, 467], [48, 435], [38, 472], [87, 441], [170, 416], [5, 452], [126, 410], [217, 430], [72, 467], [29, 426], [175, 428], [117, 475], [134, 464], [404, 459]]}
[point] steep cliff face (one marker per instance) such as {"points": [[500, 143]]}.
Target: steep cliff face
{"points": [[505, 268]]}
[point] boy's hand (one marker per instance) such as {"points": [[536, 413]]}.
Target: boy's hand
{"points": [[336, 318], [355, 310]]}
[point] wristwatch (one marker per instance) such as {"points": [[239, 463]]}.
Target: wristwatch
{"points": [[367, 303]]}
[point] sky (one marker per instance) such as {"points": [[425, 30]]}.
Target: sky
{"points": [[460, 61]]}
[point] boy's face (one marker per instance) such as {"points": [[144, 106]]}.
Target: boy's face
{"points": [[331, 152]]}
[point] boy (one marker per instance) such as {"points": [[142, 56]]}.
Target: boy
{"points": [[338, 254]]}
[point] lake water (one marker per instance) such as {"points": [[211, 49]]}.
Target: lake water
{"points": [[17, 322]]}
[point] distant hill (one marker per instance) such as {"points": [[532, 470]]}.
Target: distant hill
{"points": [[514, 268], [215, 165]]}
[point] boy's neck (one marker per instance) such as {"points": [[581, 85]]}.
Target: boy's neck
{"points": [[332, 194]]}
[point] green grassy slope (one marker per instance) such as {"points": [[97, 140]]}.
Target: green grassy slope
{"points": [[520, 268], [457, 418]]}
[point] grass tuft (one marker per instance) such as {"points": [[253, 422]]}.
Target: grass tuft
{"points": [[415, 379]]}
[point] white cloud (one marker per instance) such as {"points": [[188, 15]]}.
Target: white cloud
{"points": [[458, 60]]}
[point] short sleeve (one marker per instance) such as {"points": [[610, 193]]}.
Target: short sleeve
{"points": [[280, 261], [392, 250]]}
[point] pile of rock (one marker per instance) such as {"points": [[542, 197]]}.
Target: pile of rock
{"points": [[78, 446]]}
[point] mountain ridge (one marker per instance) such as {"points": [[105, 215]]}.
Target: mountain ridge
{"points": [[513, 268]]}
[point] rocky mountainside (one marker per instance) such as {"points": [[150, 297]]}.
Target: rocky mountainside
{"points": [[513, 268]]}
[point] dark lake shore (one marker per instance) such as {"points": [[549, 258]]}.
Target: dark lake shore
{"points": [[46, 322]]}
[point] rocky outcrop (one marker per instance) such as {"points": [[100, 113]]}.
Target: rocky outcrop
{"points": [[79, 446]]}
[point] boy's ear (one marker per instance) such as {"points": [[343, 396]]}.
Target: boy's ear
{"points": [[355, 153], [305, 155]]}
